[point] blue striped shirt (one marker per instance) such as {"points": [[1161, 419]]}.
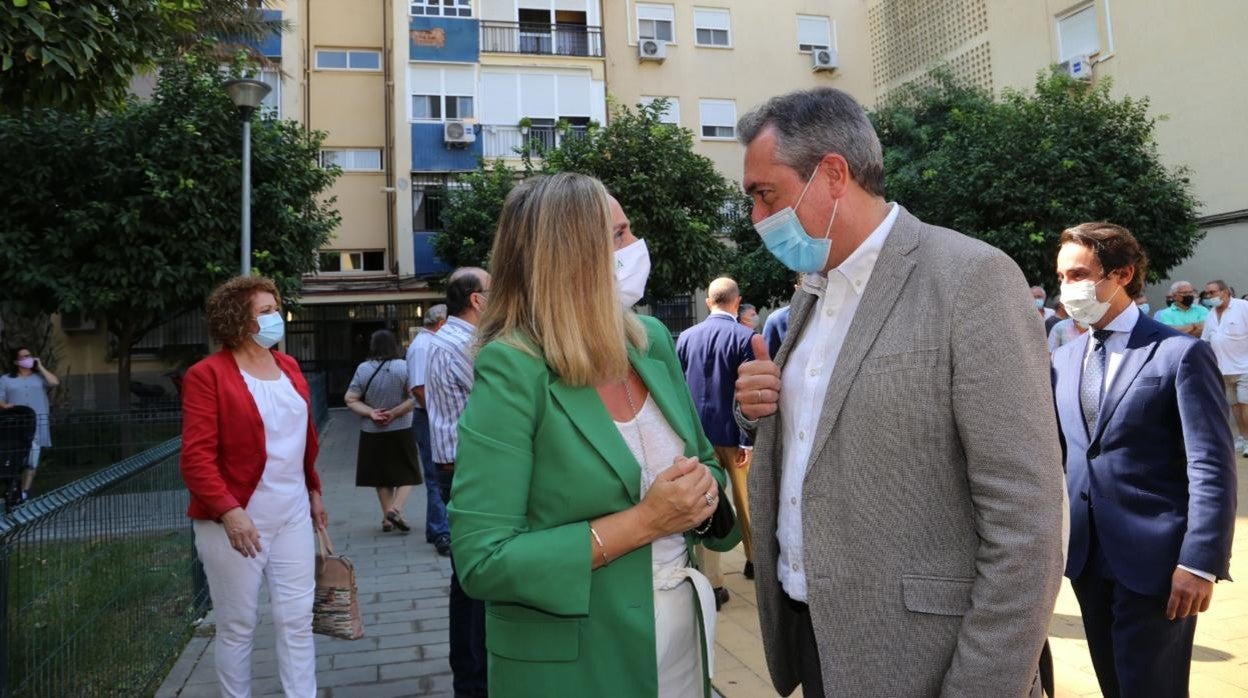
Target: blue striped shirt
{"points": [[448, 381]]}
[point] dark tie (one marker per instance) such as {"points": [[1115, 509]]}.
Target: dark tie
{"points": [[1092, 387]]}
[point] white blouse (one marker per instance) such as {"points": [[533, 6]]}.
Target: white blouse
{"points": [[283, 491], [662, 447]]}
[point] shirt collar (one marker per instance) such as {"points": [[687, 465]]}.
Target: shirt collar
{"points": [[858, 266], [1125, 322], [461, 323], [724, 313]]}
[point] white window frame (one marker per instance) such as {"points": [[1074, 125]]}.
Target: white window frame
{"points": [[348, 254], [443, 96], [702, 125], [1062, 53], [349, 156], [672, 114], [663, 8], [441, 10], [272, 78], [725, 12], [831, 36], [348, 52]]}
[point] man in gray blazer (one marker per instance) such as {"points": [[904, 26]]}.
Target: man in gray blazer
{"points": [[907, 485]]}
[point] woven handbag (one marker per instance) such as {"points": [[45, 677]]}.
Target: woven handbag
{"points": [[336, 605]]}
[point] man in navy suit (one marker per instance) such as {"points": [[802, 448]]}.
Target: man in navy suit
{"points": [[1150, 469], [710, 353]]}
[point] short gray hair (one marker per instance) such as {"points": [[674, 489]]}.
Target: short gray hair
{"points": [[1174, 287], [812, 123], [435, 315]]}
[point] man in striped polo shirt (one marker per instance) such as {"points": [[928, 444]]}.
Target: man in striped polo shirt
{"points": [[448, 381]]}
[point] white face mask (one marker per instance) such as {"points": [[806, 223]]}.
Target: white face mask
{"points": [[1081, 302], [632, 269]]}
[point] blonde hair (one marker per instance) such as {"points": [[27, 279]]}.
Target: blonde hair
{"points": [[552, 284]]}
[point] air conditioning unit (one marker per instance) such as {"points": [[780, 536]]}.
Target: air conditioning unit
{"points": [[652, 50], [1078, 67], [458, 132], [824, 59]]}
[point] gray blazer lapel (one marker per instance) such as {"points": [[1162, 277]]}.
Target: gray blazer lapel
{"points": [[879, 297]]}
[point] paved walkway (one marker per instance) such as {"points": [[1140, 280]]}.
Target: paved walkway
{"points": [[403, 596], [403, 587], [1219, 662]]}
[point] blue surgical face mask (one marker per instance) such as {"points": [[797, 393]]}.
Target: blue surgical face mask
{"points": [[272, 329], [1212, 302], [1039, 303], [1144, 308], [787, 240]]}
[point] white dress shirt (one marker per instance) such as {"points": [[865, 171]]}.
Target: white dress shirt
{"points": [[1115, 350], [417, 358], [804, 383], [1228, 335]]}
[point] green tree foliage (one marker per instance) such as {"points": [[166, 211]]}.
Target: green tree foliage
{"points": [[82, 54], [471, 215], [132, 215], [1016, 171], [673, 196]]}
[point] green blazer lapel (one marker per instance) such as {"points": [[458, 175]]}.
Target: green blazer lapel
{"points": [[586, 412], [654, 374]]}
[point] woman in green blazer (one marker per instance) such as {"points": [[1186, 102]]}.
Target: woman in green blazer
{"points": [[557, 524]]}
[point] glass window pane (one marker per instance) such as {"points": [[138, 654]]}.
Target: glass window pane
{"points": [[374, 261], [331, 59], [329, 261], [333, 157], [369, 159], [365, 60], [704, 36], [664, 30], [465, 107], [352, 261], [425, 107], [645, 29], [1078, 34]]}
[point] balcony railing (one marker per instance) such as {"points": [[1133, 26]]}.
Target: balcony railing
{"points": [[541, 39], [509, 142]]}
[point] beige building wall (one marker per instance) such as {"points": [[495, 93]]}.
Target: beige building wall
{"points": [[1187, 60], [762, 61]]}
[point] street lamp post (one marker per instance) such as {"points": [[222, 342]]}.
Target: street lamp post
{"points": [[246, 95]]}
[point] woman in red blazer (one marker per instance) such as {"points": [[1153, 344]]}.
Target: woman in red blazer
{"points": [[248, 449]]}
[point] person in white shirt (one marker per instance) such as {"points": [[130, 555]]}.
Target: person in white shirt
{"points": [[1039, 296], [437, 527], [1226, 329], [906, 494]]}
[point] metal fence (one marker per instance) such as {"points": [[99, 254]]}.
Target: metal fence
{"points": [[87, 441], [100, 582]]}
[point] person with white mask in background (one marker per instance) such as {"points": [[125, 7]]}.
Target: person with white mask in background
{"points": [[1151, 474], [1226, 330]]}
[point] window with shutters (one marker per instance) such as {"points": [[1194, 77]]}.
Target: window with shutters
{"points": [[712, 27]]}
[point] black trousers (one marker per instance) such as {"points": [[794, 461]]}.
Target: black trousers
{"points": [[811, 671], [467, 627], [1135, 650]]}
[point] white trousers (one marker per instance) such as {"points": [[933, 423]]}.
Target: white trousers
{"points": [[678, 643], [287, 560]]}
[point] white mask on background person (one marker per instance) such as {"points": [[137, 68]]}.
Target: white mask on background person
{"points": [[1039, 304], [1144, 308], [1081, 303], [632, 269]]}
